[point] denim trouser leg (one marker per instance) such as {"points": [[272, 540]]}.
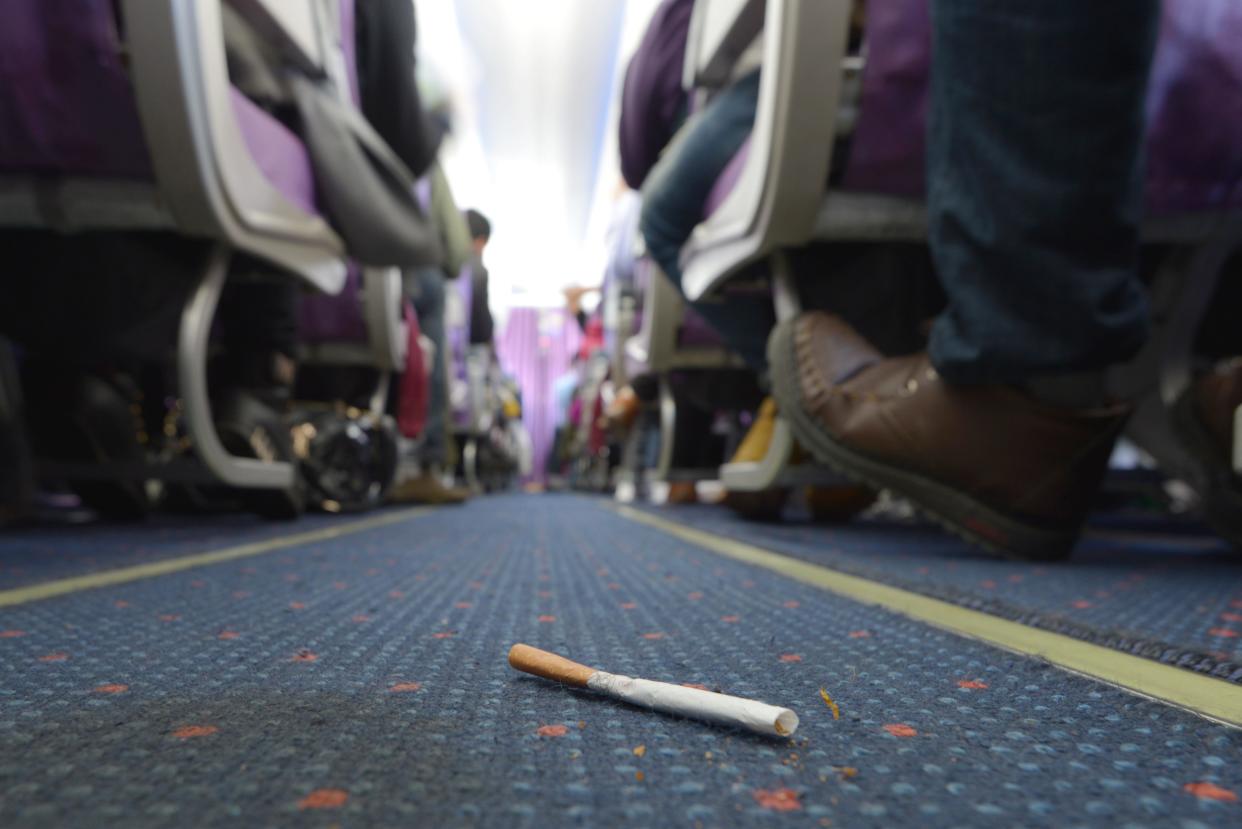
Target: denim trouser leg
{"points": [[673, 199], [1035, 183], [425, 288]]}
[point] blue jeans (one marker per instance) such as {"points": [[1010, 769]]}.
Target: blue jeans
{"points": [[1035, 180], [674, 196], [425, 288]]}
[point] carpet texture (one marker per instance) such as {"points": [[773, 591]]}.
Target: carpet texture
{"points": [[362, 680], [1168, 591], [32, 555]]}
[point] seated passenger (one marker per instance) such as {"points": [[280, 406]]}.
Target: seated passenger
{"points": [[675, 193], [1002, 430], [676, 188]]}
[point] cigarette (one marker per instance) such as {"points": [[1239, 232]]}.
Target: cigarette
{"points": [[750, 714]]}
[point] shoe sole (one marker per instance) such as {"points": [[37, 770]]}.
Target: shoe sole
{"points": [[962, 515]]}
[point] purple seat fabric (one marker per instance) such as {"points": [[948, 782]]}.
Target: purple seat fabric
{"points": [[281, 155], [66, 105], [1194, 105], [325, 318], [693, 333], [696, 333], [728, 179], [422, 192], [887, 154], [652, 99], [1194, 109]]}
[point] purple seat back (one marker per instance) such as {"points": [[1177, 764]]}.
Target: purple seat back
{"points": [[1194, 108], [1194, 105], [280, 155], [652, 100], [322, 318], [66, 105], [325, 318], [887, 154]]}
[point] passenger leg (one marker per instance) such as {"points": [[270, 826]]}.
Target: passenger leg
{"points": [[426, 290], [1035, 183], [1002, 431], [253, 383], [259, 336], [673, 199]]}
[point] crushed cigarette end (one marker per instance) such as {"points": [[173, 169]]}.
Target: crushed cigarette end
{"points": [[640, 751], [836, 710]]}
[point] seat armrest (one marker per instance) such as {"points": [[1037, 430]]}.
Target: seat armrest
{"points": [[782, 184], [204, 170]]}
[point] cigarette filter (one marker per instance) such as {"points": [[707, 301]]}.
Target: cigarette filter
{"points": [[750, 714]]}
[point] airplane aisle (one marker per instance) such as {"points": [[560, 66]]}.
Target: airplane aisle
{"points": [[354, 670]]}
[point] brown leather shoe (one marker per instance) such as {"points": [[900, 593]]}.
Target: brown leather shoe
{"points": [[1203, 419], [990, 463]]}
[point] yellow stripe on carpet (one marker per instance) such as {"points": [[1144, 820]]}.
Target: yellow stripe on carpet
{"points": [[123, 575], [1204, 695]]}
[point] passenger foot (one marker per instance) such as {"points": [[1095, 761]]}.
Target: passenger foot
{"points": [[992, 464]]}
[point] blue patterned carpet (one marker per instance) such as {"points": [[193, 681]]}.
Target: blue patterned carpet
{"points": [[1166, 590], [363, 680], [29, 556]]}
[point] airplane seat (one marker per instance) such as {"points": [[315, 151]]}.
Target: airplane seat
{"points": [[363, 325], [671, 342], [772, 197], [121, 118]]}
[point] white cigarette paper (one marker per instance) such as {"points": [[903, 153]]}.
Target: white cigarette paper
{"points": [[750, 714], [702, 705]]}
